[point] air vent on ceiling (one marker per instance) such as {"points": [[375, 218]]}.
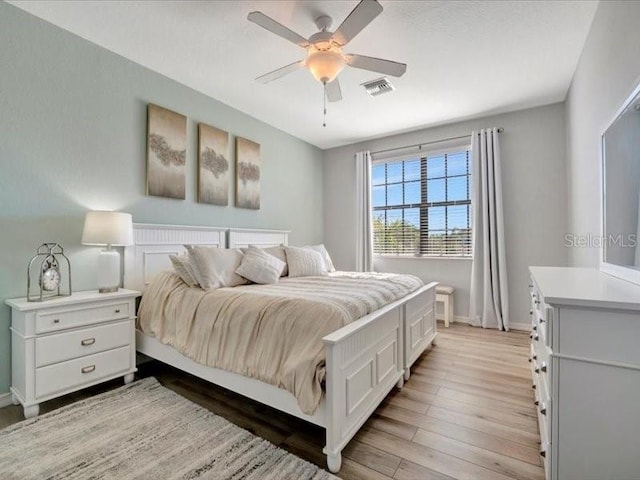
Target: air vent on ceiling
{"points": [[378, 86]]}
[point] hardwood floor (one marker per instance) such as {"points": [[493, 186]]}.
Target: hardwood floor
{"points": [[466, 413]]}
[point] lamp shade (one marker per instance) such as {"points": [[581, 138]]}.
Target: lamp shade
{"points": [[107, 228], [325, 65]]}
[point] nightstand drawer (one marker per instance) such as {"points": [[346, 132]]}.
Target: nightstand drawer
{"points": [[52, 320], [78, 343], [75, 373]]}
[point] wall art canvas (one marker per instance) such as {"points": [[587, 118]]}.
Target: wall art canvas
{"points": [[247, 174], [213, 166], [166, 152]]}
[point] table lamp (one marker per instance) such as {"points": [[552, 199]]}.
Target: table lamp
{"points": [[110, 229]]}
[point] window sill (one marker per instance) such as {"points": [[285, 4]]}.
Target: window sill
{"points": [[423, 257]]}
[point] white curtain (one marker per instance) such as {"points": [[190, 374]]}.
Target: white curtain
{"points": [[364, 235], [489, 304]]}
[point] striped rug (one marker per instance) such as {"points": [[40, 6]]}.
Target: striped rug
{"points": [[142, 431]]}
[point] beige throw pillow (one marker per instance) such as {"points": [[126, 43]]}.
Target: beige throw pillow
{"points": [[277, 252], [305, 262], [215, 267], [322, 250], [260, 267], [183, 268]]}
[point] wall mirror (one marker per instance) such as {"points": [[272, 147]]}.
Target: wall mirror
{"points": [[621, 192]]}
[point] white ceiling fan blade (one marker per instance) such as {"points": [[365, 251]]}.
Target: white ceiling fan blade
{"points": [[360, 17], [395, 69], [270, 24], [334, 94], [281, 72]]}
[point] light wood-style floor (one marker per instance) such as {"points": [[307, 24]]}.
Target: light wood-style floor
{"points": [[466, 413]]}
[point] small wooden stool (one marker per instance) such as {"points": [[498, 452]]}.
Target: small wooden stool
{"points": [[444, 294]]}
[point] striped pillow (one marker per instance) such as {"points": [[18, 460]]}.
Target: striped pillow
{"points": [[183, 268], [304, 262], [259, 267]]}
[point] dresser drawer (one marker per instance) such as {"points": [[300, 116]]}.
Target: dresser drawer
{"points": [[78, 343], [60, 319], [75, 373]]}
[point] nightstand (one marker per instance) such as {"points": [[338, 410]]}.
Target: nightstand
{"points": [[65, 344]]}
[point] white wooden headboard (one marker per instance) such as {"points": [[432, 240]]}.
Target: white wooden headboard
{"points": [[243, 237], [152, 245]]}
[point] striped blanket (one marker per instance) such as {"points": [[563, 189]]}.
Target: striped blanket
{"points": [[269, 332]]}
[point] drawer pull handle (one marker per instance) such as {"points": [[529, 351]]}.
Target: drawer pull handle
{"points": [[537, 301], [543, 367], [88, 369], [535, 357], [536, 403], [117, 310], [529, 360], [542, 320], [530, 312], [536, 337], [543, 453], [535, 327], [56, 320], [543, 409], [537, 370], [88, 341], [531, 335], [533, 386]]}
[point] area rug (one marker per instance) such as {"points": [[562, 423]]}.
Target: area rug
{"points": [[142, 431]]}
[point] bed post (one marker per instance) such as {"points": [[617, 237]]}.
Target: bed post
{"points": [[333, 434]]}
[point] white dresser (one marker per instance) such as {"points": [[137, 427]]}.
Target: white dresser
{"points": [[69, 343], [585, 364]]}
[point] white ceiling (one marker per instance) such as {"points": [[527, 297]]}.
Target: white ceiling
{"points": [[465, 58]]}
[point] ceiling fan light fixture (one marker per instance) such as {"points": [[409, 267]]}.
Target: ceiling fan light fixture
{"points": [[325, 65]]}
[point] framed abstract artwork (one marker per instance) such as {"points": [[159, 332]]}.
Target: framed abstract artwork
{"points": [[166, 152], [247, 174], [213, 165]]}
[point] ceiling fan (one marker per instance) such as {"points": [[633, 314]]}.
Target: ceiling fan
{"points": [[325, 59]]}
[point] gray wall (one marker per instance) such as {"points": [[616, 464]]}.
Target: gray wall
{"points": [[534, 183], [72, 139], [606, 75]]}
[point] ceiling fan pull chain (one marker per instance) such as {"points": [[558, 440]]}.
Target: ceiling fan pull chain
{"points": [[324, 103]]}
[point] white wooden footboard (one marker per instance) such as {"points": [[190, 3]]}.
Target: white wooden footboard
{"points": [[364, 362], [419, 325]]}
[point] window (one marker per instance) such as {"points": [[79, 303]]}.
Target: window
{"points": [[422, 204]]}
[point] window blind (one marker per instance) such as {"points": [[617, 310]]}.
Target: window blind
{"points": [[421, 204]]}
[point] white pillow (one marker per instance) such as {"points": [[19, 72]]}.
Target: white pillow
{"points": [[277, 252], [215, 267], [260, 267], [304, 262], [321, 249], [183, 268]]}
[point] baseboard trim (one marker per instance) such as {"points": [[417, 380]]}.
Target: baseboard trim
{"points": [[524, 327], [459, 319], [5, 400]]}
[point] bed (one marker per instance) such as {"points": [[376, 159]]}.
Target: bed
{"points": [[364, 359]]}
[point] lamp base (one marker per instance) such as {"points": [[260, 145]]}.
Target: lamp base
{"points": [[108, 289], [108, 271]]}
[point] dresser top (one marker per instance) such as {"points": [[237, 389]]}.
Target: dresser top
{"points": [[77, 297], [585, 287]]}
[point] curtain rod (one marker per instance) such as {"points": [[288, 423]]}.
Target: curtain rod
{"points": [[500, 130]]}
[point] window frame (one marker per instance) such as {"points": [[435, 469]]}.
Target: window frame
{"points": [[422, 155]]}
